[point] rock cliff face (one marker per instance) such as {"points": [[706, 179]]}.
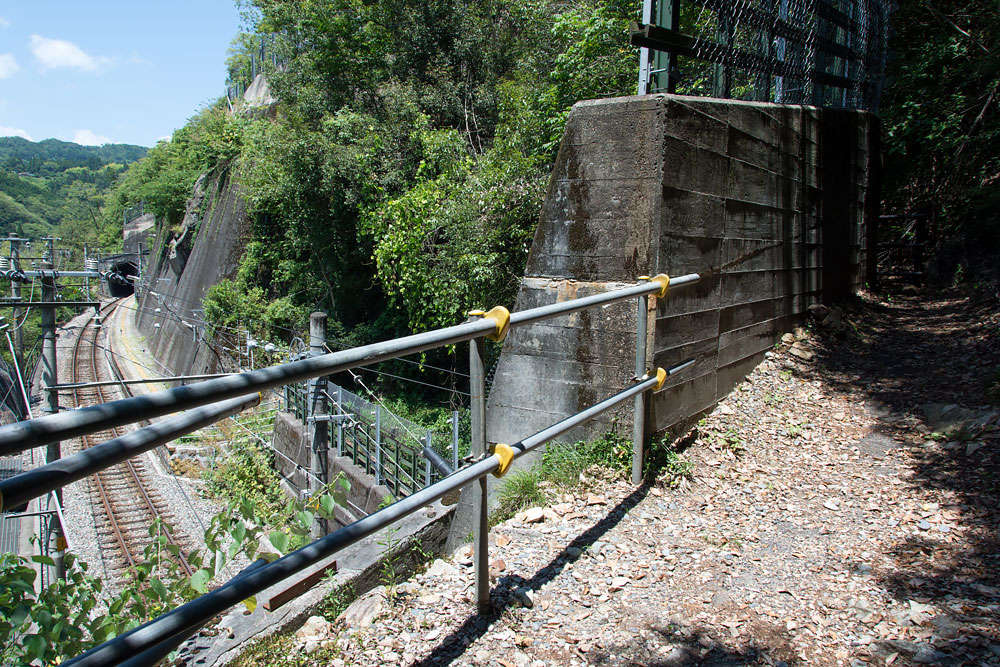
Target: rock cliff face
{"points": [[183, 265]]}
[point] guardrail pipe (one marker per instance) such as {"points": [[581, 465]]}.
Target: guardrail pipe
{"points": [[186, 619], [82, 421], [36, 483], [552, 310]]}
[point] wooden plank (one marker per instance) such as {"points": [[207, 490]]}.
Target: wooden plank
{"points": [[299, 587]]}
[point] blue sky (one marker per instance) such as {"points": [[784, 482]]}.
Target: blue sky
{"points": [[94, 72]]}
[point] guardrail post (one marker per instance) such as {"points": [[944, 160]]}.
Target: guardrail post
{"points": [[481, 535], [319, 431], [378, 445], [639, 405], [454, 439], [340, 422], [427, 462]]}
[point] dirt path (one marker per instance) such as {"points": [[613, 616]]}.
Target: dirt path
{"points": [[826, 523]]}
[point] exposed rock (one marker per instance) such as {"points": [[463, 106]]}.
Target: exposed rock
{"points": [[819, 311], [363, 611]]}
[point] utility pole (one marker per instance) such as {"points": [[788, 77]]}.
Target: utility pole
{"points": [[50, 378], [15, 291], [320, 426]]}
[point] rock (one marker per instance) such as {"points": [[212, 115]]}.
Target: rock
{"points": [[441, 568], [788, 338], [523, 596], [313, 631], [363, 611], [498, 565], [945, 626], [678, 655], [593, 499], [799, 350], [534, 515], [924, 524], [831, 505], [834, 319], [819, 311], [573, 552], [919, 613], [618, 583]]}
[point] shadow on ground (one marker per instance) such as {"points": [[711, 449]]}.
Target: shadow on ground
{"points": [[690, 642], [905, 353]]}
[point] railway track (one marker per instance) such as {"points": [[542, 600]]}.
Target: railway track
{"points": [[125, 502]]}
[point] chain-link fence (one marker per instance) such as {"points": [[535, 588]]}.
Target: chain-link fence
{"points": [[828, 53]]}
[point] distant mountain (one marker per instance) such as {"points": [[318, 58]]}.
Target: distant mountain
{"points": [[54, 186], [31, 156]]}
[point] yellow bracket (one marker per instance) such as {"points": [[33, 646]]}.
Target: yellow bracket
{"points": [[506, 456], [664, 281], [500, 315], [661, 377]]}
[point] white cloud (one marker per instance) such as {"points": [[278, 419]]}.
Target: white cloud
{"points": [[90, 138], [14, 132], [8, 65], [52, 53], [4, 23]]}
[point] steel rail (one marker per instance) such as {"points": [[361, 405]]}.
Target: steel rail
{"points": [[182, 621], [65, 425]]}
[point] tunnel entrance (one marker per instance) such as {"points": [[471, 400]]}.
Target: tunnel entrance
{"points": [[119, 283]]}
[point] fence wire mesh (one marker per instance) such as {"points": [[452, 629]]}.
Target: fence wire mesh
{"points": [[829, 53]]}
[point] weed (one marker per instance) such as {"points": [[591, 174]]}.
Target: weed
{"points": [[730, 440], [520, 490], [337, 600], [389, 568]]}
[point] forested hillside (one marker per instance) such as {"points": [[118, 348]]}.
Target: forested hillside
{"points": [[58, 187], [398, 180]]}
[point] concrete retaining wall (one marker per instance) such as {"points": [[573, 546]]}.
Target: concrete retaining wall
{"points": [[184, 265], [766, 202]]}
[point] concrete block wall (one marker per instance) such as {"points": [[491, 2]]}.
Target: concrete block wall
{"points": [[767, 202], [292, 440]]}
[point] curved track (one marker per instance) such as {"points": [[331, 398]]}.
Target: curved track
{"points": [[125, 502]]}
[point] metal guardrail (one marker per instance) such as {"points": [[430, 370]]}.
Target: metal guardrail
{"points": [[390, 448], [148, 642]]}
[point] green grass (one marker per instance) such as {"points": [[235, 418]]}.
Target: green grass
{"points": [[562, 468]]}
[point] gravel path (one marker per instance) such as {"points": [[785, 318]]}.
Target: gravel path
{"points": [[834, 517]]}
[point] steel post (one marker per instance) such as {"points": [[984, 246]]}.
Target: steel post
{"points": [[481, 535], [427, 461], [319, 430], [454, 439], [340, 422], [639, 405], [378, 445]]}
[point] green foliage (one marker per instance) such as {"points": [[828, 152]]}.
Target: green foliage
{"points": [[60, 621], [63, 620], [164, 178], [941, 123], [54, 187]]}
